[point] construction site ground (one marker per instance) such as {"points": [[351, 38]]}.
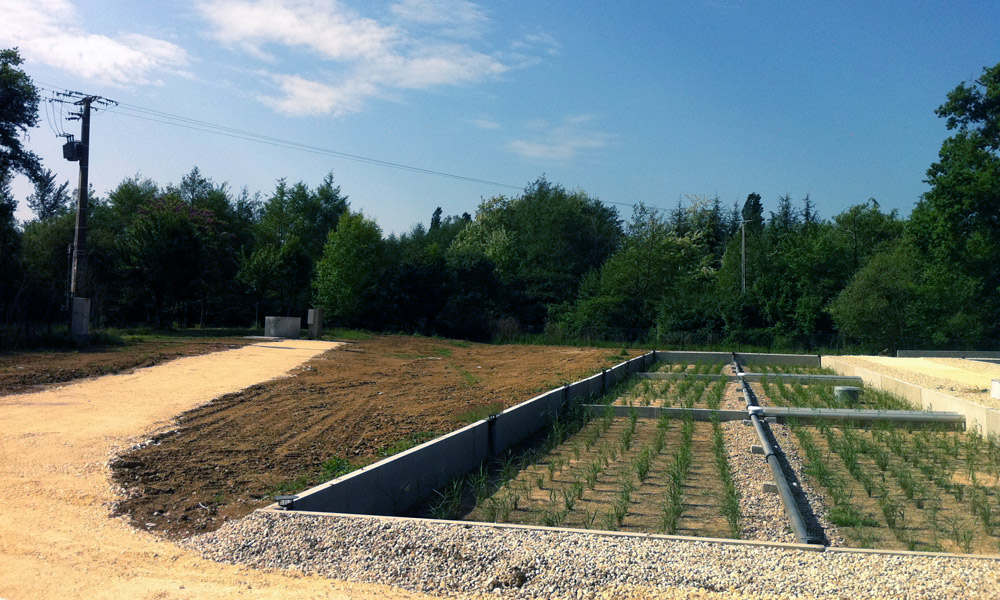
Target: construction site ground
{"points": [[210, 437], [58, 535]]}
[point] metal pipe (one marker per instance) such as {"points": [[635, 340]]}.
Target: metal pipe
{"points": [[784, 490], [864, 416], [798, 523]]}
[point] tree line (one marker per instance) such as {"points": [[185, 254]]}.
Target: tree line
{"points": [[550, 261]]}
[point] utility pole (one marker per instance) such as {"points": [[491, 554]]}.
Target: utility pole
{"points": [[78, 287], [80, 151], [743, 248]]}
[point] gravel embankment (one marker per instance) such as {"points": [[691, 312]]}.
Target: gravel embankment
{"points": [[966, 379], [464, 560]]}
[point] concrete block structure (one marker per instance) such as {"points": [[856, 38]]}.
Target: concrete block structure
{"points": [[283, 327], [315, 321]]}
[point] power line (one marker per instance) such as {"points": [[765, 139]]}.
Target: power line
{"points": [[156, 116], [138, 112]]}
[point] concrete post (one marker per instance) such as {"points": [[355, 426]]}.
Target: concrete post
{"points": [[995, 389], [315, 322], [846, 393], [80, 323]]}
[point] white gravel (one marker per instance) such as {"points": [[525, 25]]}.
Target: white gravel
{"points": [[472, 560]]}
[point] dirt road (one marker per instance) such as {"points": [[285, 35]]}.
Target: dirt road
{"points": [[56, 540]]}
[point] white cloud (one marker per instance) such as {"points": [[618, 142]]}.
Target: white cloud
{"points": [[302, 96], [360, 57], [322, 26], [435, 65], [563, 142], [457, 18], [44, 31]]}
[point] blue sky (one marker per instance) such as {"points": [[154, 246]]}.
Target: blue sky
{"points": [[640, 101]]}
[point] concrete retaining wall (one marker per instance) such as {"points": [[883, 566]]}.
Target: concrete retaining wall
{"points": [[654, 412], [987, 419], [746, 358], [396, 484], [674, 356], [799, 360], [755, 377]]}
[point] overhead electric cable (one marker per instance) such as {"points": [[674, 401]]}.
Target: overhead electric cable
{"points": [[156, 116]]}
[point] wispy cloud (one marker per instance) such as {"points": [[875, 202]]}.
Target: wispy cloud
{"points": [[537, 41], [561, 142], [485, 123], [457, 18], [416, 47], [44, 31]]}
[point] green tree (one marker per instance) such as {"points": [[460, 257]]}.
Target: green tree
{"points": [[542, 243], [753, 212], [18, 114], [956, 224], [349, 275], [48, 200], [162, 252], [10, 251], [880, 305], [46, 266], [289, 238]]}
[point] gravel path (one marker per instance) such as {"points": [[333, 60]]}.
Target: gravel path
{"points": [[466, 560], [763, 516]]}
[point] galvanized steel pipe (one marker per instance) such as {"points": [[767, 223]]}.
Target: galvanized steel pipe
{"points": [[784, 490]]}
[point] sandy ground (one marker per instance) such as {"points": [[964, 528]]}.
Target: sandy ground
{"points": [[968, 379], [56, 539]]}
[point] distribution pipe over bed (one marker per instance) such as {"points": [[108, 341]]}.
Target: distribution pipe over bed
{"points": [[798, 523]]}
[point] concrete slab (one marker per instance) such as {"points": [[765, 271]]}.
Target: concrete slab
{"points": [[314, 319]]}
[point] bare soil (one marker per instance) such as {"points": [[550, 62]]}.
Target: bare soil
{"points": [[351, 406], [22, 372], [56, 540]]}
